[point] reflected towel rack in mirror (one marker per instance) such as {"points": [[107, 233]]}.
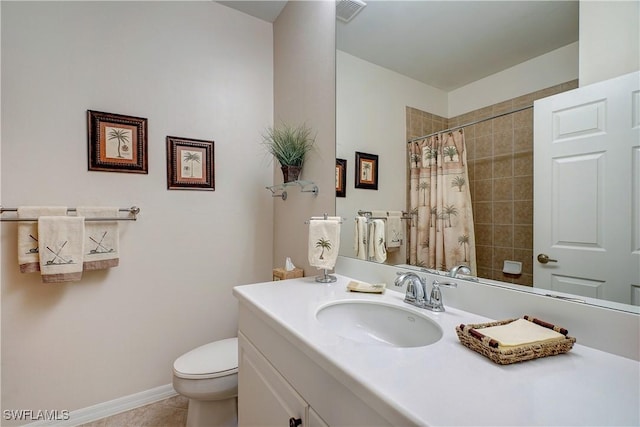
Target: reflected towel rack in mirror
{"points": [[133, 212], [369, 215]]}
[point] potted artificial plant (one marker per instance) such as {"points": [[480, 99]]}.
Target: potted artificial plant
{"points": [[289, 145]]}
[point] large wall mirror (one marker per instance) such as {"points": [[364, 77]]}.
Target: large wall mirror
{"points": [[407, 70]]}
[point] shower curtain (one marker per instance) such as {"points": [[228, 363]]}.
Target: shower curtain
{"points": [[442, 234]]}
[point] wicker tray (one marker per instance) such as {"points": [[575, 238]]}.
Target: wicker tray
{"points": [[471, 336]]}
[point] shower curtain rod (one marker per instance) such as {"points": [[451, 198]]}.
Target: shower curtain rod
{"points": [[471, 123]]}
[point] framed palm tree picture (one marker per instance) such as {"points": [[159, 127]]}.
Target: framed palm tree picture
{"points": [[117, 143], [341, 178], [190, 164], [366, 171]]}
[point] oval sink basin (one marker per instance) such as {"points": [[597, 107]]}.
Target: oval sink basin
{"points": [[370, 322]]}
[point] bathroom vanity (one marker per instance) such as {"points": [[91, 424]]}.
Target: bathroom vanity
{"points": [[295, 368]]}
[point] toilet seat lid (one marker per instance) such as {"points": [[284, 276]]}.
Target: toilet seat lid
{"points": [[212, 360]]}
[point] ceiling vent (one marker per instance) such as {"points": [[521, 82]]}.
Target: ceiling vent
{"points": [[347, 9]]}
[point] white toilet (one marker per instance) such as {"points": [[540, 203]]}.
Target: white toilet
{"points": [[208, 376]]}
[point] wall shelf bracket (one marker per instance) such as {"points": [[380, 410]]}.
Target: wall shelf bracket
{"points": [[280, 190]]}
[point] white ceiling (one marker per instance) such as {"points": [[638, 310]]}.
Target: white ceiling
{"points": [[267, 10], [447, 44]]}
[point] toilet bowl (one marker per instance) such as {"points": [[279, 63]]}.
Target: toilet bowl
{"points": [[208, 376]]}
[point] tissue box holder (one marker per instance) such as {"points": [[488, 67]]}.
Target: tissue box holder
{"points": [[282, 274], [471, 337]]}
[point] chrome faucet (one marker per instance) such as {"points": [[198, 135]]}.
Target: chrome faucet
{"points": [[459, 268], [416, 293]]}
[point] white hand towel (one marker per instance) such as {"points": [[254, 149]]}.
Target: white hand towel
{"points": [[394, 232], [61, 245], [377, 244], [101, 238], [324, 242], [28, 257], [360, 238]]}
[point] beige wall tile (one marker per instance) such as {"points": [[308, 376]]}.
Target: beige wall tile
{"points": [[523, 212], [523, 163], [503, 189], [503, 166], [523, 188], [503, 213], [503, 236], [483, 191], [483, 213]]}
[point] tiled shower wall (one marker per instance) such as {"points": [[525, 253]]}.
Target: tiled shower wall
{"points": [[500, 164]]}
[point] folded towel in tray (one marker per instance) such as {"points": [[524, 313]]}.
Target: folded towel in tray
{"points": [[61, 247], [520, 332], [324, 242], [101, 244], [28, 257]]}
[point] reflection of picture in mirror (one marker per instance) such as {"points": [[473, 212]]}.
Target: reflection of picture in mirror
{"points": [[366, 171], [341, 178]]}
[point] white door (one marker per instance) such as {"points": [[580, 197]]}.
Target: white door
{"points": [[587, 190]]}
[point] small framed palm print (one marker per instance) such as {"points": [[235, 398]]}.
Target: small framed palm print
{"points": [[366, 171], [117, 143], [341, 178], [190, 164]]}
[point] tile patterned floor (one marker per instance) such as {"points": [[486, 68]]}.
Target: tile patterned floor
{"points": [[170, 412]]}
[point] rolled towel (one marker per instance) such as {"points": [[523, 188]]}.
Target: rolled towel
{"points": [[360, 238], [377, 244], [101, 238], [324, 242], [394, 230], [61, 246], [28, 257]]}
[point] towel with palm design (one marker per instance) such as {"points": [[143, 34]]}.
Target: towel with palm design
{"points": [[324, 242], [377, 242]]}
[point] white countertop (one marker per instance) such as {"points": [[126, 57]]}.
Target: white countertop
{"points": [[446, 383]]}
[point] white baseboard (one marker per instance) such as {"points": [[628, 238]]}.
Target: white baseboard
{"points": [[112, 407]]}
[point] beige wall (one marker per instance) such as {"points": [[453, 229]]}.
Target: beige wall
{"points": [[193, 69], [609, 39], [304, 92]]}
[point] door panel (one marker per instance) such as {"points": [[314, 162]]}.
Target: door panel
{"points": [[586, 191]]}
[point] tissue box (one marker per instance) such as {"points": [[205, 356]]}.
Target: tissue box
{"points": [[282, 274]]}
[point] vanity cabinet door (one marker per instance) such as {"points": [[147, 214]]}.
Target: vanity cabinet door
{"points": [[315, 420], [265, 398]]}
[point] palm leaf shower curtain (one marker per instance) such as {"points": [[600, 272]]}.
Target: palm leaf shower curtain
{"points": [[442, 234]]}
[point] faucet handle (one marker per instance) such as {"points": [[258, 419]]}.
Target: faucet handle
{"points": [[435, 299], [437, 284]]}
